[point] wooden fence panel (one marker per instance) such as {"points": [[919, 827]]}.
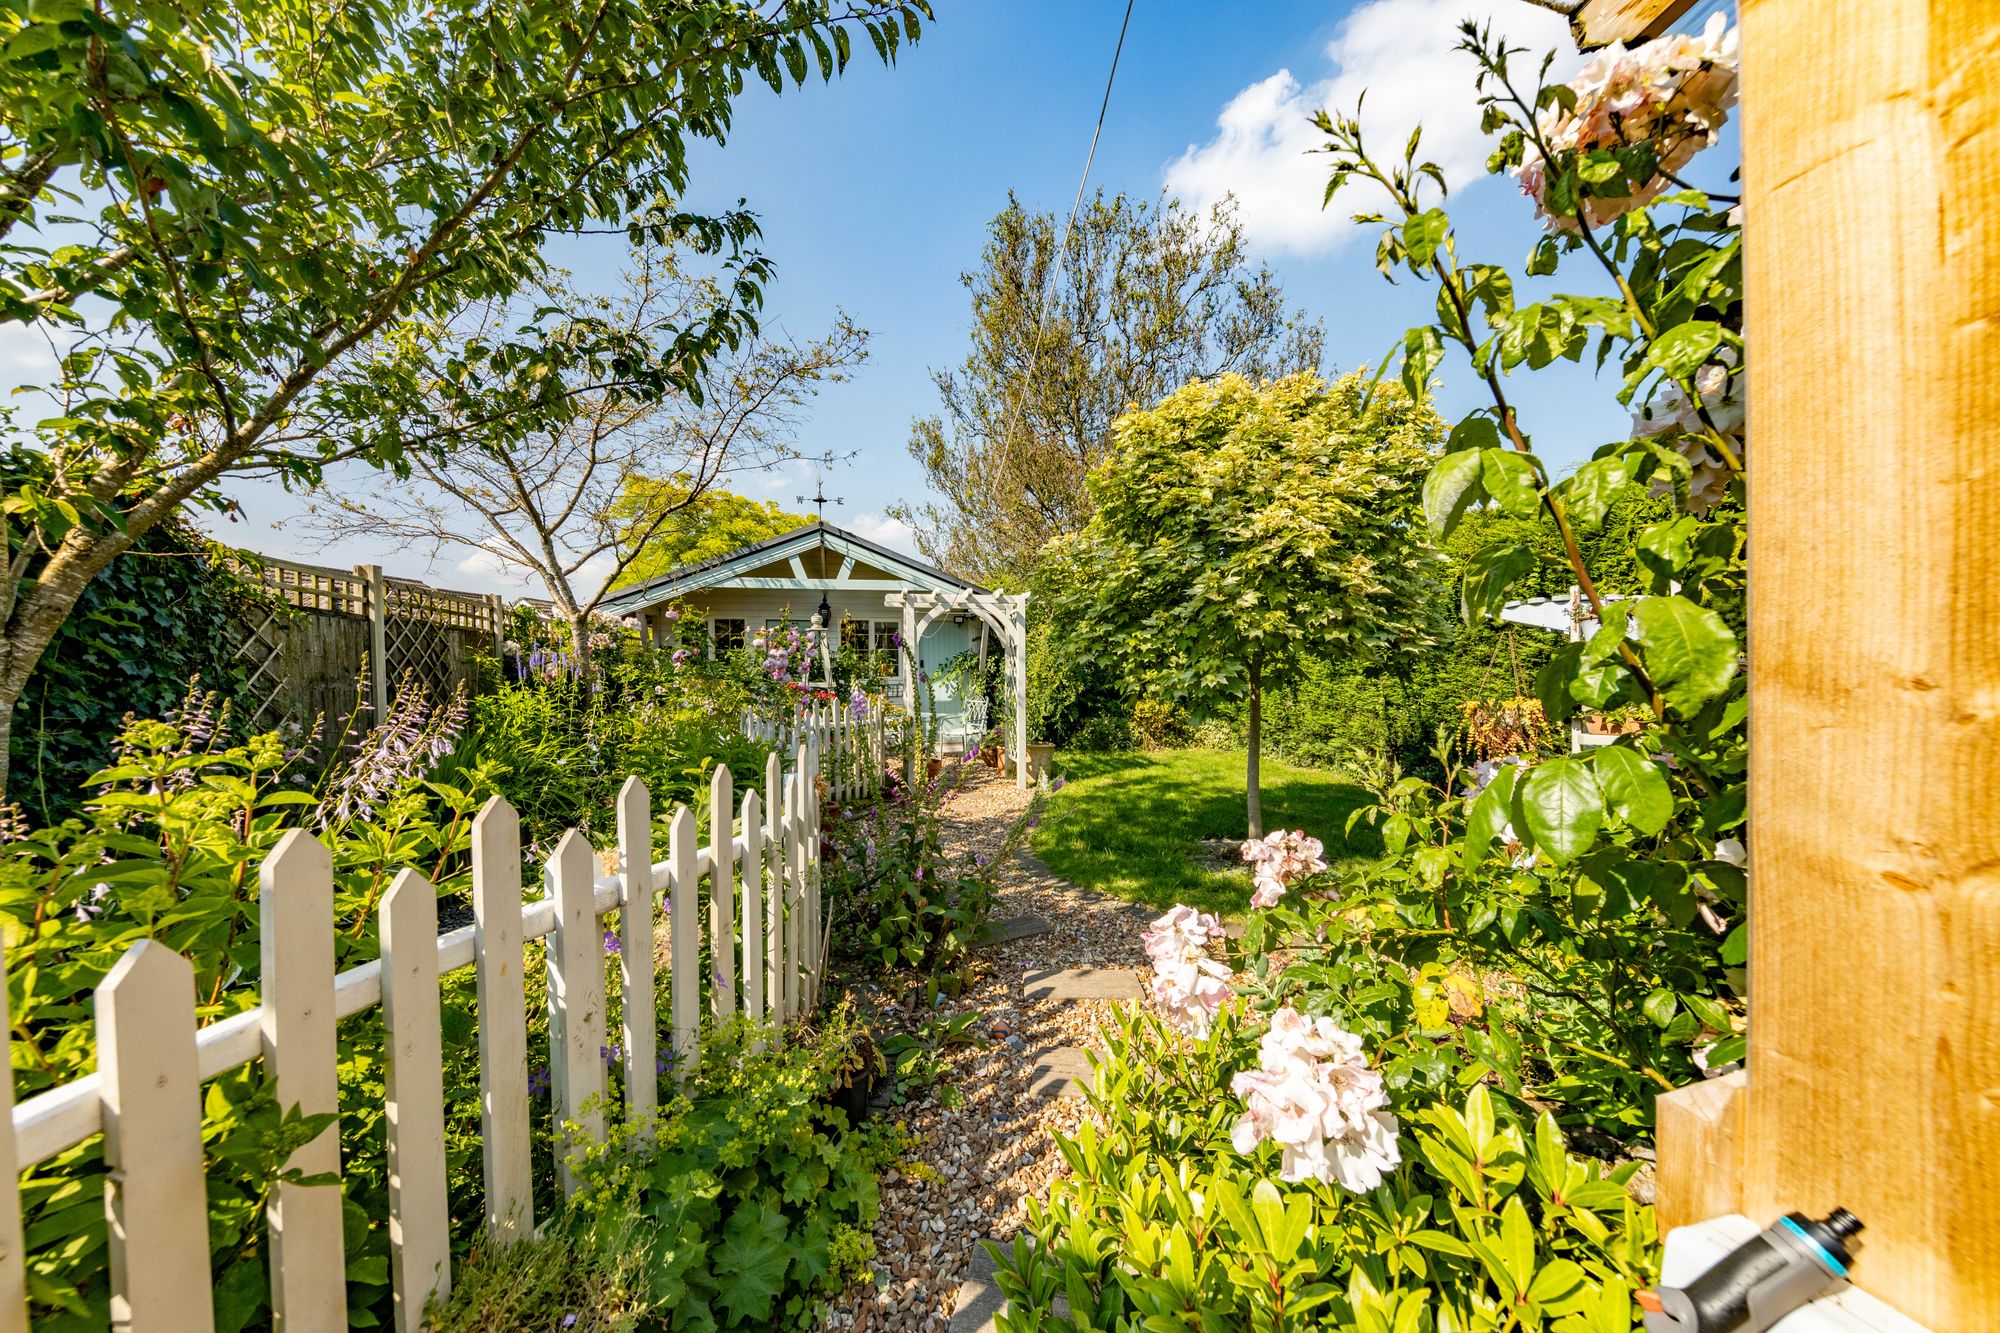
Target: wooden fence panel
{"points": [[722, 892], [639, 1012], [576, 998], [795, 850], [155, 1198], [503, 1021], [308, 1249], [419, 1207]]}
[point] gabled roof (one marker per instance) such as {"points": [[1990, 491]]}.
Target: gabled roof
{"points": [[709, 573]]}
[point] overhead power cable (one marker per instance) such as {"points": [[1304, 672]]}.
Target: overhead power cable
{"points": [[1062, 247]]}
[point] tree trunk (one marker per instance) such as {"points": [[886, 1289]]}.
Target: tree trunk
{"points": [[1256, 743], [579, 638], [40, 608]]}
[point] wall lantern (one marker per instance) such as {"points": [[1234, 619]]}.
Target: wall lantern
{"points": [[958, 618]]}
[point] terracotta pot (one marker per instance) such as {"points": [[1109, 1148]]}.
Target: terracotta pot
{"points": [[937, 767]]}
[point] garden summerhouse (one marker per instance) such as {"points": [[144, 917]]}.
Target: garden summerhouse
{"points": [[930, 635]]}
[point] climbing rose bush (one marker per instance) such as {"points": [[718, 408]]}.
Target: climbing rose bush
{"points": [[1668, 98], [1315, 1095]]}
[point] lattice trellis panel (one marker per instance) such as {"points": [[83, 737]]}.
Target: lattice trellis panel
{"points": [[267, 697], [418, 651]]}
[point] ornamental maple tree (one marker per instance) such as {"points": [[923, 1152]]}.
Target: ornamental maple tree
{"points": [[1240, 526]]}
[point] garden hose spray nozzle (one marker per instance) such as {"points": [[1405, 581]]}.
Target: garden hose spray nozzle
{"points": [[1760, 1281]]}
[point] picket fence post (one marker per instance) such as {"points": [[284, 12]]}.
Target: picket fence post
{"points": [[640, 1033], [684, 892], [753, 906], [722, 891], [308, 1248], [155, 1197], [576, 999], [778, 992], [419, 1207], [795, 846], [503, 1021], [13, 1257]]}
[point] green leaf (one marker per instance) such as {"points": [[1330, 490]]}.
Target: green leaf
{"points": [[1490, 574], [1634, 788], [750, 1263], [1423, 234], [1681, 350], [1489, 814], [1690, 652], [1422, 350], [1511, 479], [1590, 490], [1660, 1007], [1563, 806], [1478, 431], [1452, 487]]}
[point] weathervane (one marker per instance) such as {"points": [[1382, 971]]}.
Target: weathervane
{"points": [[818, 498]]}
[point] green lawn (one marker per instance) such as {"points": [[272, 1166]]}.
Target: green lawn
{"points": [[1129, 824]]}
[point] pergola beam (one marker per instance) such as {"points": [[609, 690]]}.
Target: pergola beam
{"points": [[1605, 22], [1006, 613]]}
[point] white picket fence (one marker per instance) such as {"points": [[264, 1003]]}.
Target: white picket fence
{"points": [[848, 750], [146, 1096]]}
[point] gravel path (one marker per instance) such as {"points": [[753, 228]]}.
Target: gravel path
{"points": [[976, 1164]]}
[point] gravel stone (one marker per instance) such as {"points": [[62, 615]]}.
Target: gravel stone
{"points": [[976, 1165]]}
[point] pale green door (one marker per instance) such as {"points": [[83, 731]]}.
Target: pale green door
{"points": [[943, 642]]}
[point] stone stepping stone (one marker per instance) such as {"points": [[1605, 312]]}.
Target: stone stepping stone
{"points": [[1013, 928], [979, 1299], [1060, 1071], [1081, 983]]}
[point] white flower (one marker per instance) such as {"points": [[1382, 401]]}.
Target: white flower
{"points": [[1188, 987], [1316, 1097], [1282, 859], [1674, 93], [1730, 851]]}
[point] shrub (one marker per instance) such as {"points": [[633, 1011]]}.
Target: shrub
{"points": [[1487, 1222], [894, 899], [167, 846], [746, 1201]]}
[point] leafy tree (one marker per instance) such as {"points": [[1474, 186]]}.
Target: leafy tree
{"points": [[562, 506], [1145, 297], [272, 199], [706, 526], [1240, 528]]}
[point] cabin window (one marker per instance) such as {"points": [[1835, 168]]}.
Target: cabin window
{"points": [[888, 661], [725, 635]]}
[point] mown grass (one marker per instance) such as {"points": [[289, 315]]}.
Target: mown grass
{"points": [[1131, 824]]}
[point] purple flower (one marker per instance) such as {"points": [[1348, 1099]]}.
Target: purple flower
{"points": [[538, 1081], [611, 1054], [611, 944]]}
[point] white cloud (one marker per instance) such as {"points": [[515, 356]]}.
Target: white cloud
{"points": [[890, 532], [1401, 53]]}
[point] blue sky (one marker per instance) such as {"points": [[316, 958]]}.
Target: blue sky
{"points": [[874, 193]]}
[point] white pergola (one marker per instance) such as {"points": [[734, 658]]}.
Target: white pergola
{"points": [[1006, 614]]}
